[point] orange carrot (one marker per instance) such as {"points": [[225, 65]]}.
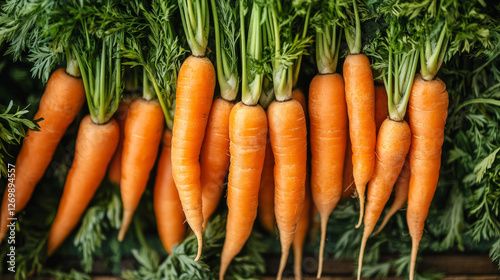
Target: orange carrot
{"points": [[95, 145], [168, 210], [143, 133], [327, 111], [248, 134], [348, 188], [63, 97], [114, 170], [214, 157], [298, 95], [381, 110], [400, 193], [427, 111], [266, 191], [288, 134], [302, 230]]}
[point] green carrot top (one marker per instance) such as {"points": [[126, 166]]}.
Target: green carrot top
{"points": [[196, 22], [328, 36]]}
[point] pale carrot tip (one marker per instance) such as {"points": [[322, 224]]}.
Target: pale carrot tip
{"points": [[127, 219], [284, 257], [200, 246]]}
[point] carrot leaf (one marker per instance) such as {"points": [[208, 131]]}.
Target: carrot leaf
{"points": [[328, 36], [196, 22]]}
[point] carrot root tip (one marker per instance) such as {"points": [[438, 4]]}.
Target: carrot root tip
{"points": [[200, 245], [127, 219], [413, 261], [284, 257], [324, 223]]}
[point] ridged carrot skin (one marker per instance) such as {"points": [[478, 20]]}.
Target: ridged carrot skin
{"points": [[400, 193], [302, 230], [266, 191], [328, 117], [427, 109], [288, 134], [62, 100], [214, 159], [348, 187], [393, 143], [115, 167], [360, 98], [195, 90], [381, 107], [143, 133], [94, 148], [248, 134], [168, 209]]}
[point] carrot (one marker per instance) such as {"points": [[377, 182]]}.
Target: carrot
{"points": [[114, 170], [167, 205], [95, 145], [63, 97], [143, 133], [400, 193], [381, 110], [427, 111], [298, 94], [302, 230], [266, 191], [348, 188]]}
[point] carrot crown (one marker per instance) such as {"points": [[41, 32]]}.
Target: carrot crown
{"points": [[328, 37], [195, 20], [226, 37], [351, 23]]}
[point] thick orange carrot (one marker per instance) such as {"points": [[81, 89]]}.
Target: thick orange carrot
{"points": [[427, 111], [266, 191], [214, 157], [348, 188], [63, 97], [114, 170], [302, 230], [143, 132], [248, 134], [327, 111], [400, 193], [360, 98], [381, 110], [393, 143], [288, 134], [95, 146], [168, 210], [195, 90]]}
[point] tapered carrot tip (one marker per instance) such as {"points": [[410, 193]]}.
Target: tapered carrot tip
{"points": [[324, 223], [127, 218], [384, 222], [361, 209], [413, 261], [362, 252], [223, 267], [200, 244], [284, 258]]}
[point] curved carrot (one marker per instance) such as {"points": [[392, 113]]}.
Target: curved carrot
{"points": [[327, 111], [302, 230], [360, 98], [427, 109], [63, 97], [168, 210], [400, 193], [195, 90], [381, 106], [348, 188], [266, 191], [288, 134], [393, 143], [114, 169], [248, 134], [94, 148], [143, 133], [214, 156]]}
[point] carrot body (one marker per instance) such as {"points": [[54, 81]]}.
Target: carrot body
{"points": [[288, 134], [348, 187], [94, 148], [266, 191], [427, 109], [400, 193], [328, 115], [143, 133], [301, 233], [393, 143], [360, 98], [195, 90], [248, 134], [63, 97], [298, 94], [114, 170], [214, 159], [381, 107], [168, 210]]}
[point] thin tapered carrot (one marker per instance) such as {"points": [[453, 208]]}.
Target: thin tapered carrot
{"points": [[95, 146], [427, 111], [266, 191], [248, 134], [400, 193], [167, 205], [348, 188], [214, 156], [143, 133], [62, 100], [302, 231], [381, 110]]}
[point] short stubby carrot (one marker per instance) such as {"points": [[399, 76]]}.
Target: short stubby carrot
{"points": [[348, 188], [302, 230], [360, 98], [214, 157], [266, 191], [94, 148], [400, 193], [248, 134], [143, 133], [167, 205], [381, 106], [115, 167], [288, 134], [195, 90], [62, 100], [427, 109], [393, 143], [328, 117]]}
